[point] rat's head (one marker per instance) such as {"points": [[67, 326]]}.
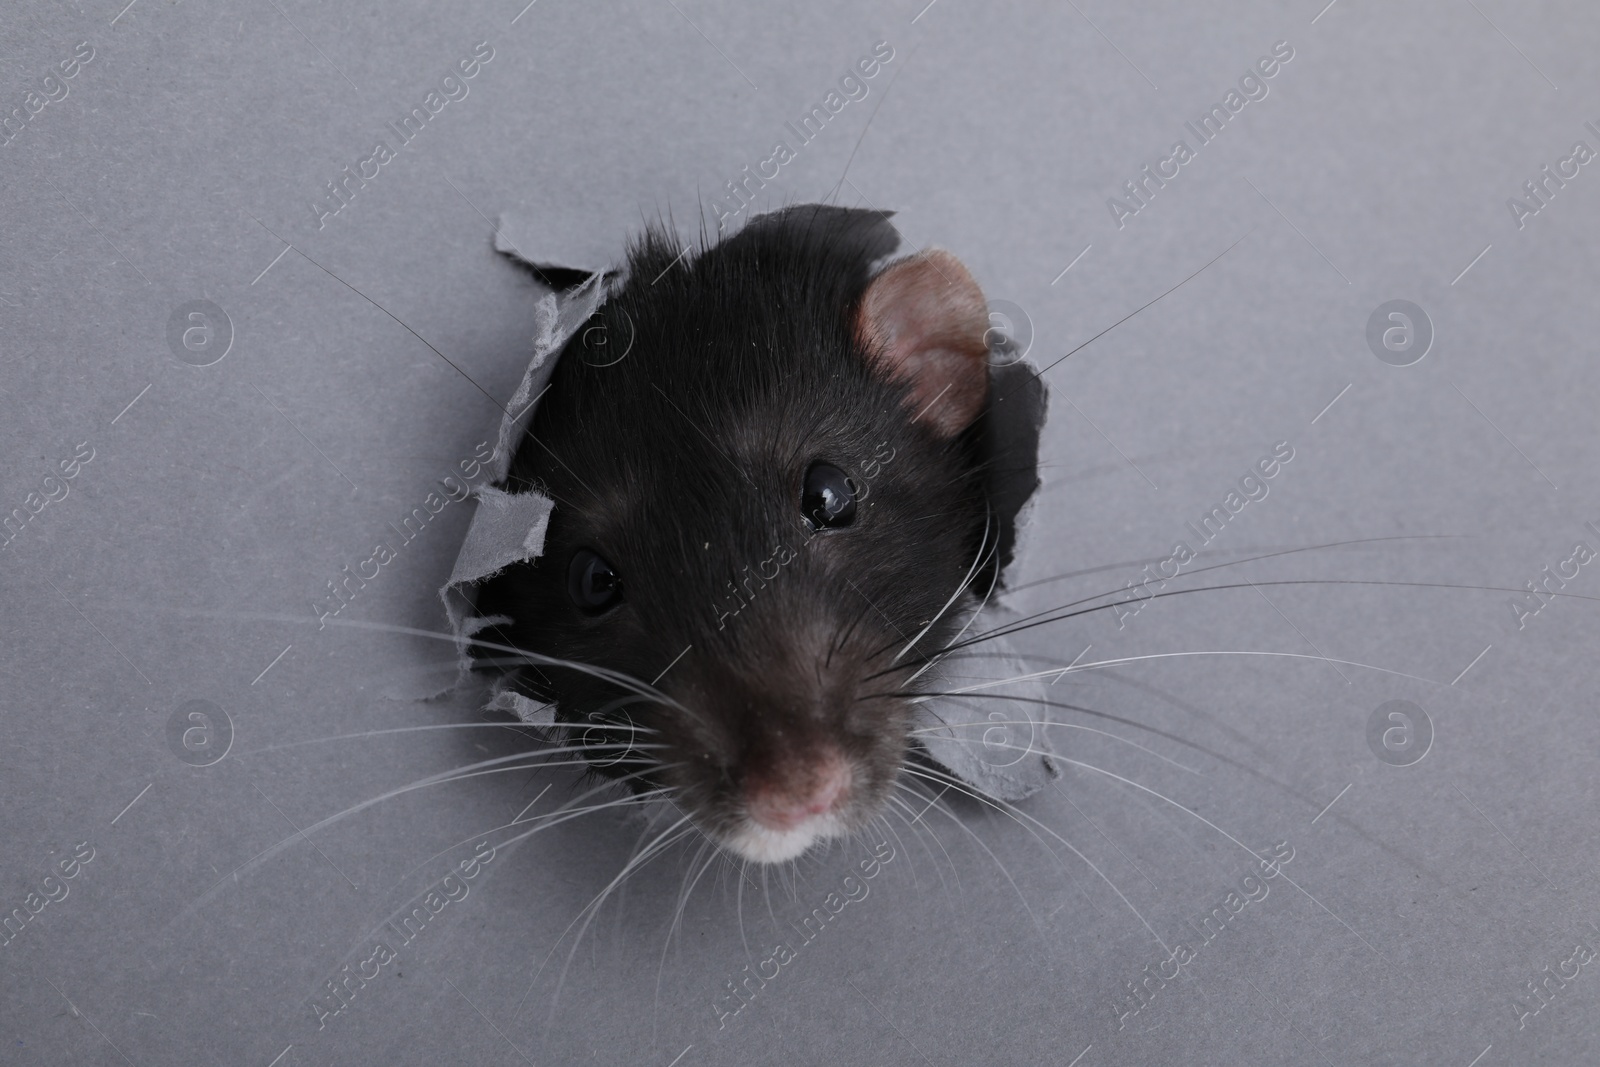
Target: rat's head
{"points": [[771, 508]]}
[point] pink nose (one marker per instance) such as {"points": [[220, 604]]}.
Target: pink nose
{"points": [[785, 801]]}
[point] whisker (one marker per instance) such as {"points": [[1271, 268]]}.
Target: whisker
{"points": [[845, 635], [365, 734], [996, 682], [766, 895], [1041, 725], [1015, 628], [1224, 833], [972, 571], [973, 616], [677, 918], [1019, 815], [1094, 664], [549, 819], [1106, 715], [661, 842], [620, 678], [885, 829], [980, 843], [495, 765], [1102, 833], [738, 905], [916, 827], [1234, 563]]}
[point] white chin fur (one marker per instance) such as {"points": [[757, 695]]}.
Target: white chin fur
{"points": [[756, 843]]}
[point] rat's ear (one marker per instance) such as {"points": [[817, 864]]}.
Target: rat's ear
{"points": [[923, 321]]}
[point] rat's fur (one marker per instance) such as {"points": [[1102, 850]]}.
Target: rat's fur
{"points": [[682, 465]]}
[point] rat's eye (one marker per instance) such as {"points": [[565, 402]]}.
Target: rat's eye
{"points": [[829, 500], [592, 583]]}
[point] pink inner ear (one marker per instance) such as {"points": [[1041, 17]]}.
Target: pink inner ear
{"points": [[924, 320]]}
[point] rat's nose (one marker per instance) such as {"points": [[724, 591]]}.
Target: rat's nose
{"points": [[784, 800]]}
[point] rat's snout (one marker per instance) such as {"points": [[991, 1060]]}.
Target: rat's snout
{"points": [[801, 744], [783, 797]]}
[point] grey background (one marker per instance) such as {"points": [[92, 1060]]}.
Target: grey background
{"points": [[182, 563]]}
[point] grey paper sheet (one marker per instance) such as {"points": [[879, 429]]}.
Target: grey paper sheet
{"points": [[1319, 519]]}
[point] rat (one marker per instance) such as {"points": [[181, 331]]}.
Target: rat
{"points": [[773, 509]]}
